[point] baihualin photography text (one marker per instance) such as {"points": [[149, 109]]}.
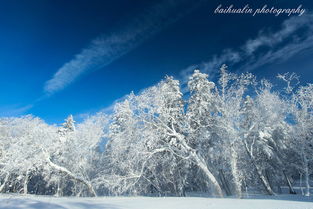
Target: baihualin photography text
{"points": [[263, 10]]}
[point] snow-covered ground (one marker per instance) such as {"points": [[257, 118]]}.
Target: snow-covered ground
{"points": [[256, 202]]}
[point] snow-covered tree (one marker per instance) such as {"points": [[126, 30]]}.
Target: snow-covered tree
{"points": [[161, 140], [302, 135], [67, 128], [231, 91]]}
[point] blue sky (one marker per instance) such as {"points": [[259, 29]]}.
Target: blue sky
{"points": [[78, 57]]}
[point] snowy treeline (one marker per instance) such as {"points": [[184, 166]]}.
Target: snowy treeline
{"points": [[215, 139]]}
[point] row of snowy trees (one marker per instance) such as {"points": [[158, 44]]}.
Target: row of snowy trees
{"points": [[215, 138]]}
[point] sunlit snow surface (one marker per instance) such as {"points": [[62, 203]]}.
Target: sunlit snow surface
{"points": [[256, 202]]}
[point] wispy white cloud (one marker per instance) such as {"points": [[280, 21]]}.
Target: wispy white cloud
{"points": [[14, 110], [107, 48], [295, 35], [279, 46]]}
